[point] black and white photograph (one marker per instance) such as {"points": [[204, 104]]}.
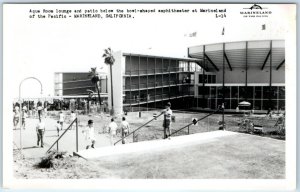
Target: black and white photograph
{"points": [[149, 96]]}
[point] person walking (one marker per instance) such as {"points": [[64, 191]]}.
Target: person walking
{"points": [[73, 117], [61, 119], [89, 132], [40, 109], [124, 129], [58, 127], [167, 120], [16, 118], [24, 117], [40, 130], [112, 129]]}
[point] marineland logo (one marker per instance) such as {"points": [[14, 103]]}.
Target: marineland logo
{"points": [[255, 11]]}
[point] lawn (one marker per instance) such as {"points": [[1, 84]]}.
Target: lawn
{"points": [[240, 156]]}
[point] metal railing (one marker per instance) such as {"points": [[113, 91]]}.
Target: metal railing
{"points": [[133, 132], [157, 70], [56, 142], [194, 122]]}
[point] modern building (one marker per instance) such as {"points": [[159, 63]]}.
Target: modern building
{"points": [[77, 84], [232, 72], [250, 71], [147, 81]]}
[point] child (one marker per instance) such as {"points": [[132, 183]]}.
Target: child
{"points": [[61, 119], [167, 121], [90, 134], [73, 117], [58, 127]]}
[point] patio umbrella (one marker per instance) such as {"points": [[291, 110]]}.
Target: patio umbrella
{"points": [[244, 104]]}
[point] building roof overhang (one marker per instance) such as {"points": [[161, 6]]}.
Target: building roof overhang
{"points": [[253, 54]]}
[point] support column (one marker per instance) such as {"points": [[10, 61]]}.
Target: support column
{"points": [[246, 83], [154, 82], [162, 83], [223, 88], [130, 92], [147, 84], [169, 79], [203, 77], [139, 82], [270, 85]]}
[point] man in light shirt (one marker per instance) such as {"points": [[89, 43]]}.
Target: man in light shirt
{"points": [[167, 120], [125, 129], [112, 129], [40, 130]]}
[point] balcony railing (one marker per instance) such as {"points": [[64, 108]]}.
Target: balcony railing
{"points": [[156, 71]]}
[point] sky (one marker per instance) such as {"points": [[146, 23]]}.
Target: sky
{"points": [[41, 47]]}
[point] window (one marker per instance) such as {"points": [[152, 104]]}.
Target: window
{"points": [[257, 92], [242, 92], [208, 78], [213, 79], [213, 92], [257, 104], [249, 93], [266, 92], [281, 93], [220, 92], [200, 78], [234, 92]]}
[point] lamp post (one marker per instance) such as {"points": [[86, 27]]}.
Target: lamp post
{"points": [[20, 120]]}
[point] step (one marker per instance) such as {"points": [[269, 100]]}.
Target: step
{"points": [[146, 146]]}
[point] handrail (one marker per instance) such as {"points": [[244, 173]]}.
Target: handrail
{"points": [[195, 122], [137, 129], [75, 120]]}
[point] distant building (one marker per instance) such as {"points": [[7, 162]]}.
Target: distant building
{"points": [[77, 84]]}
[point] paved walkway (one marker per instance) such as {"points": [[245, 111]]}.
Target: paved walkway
{"points": [[154, 145], [67, 142]]}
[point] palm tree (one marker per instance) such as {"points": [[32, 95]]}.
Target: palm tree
{"points": [[93, 74], [109, 60]]}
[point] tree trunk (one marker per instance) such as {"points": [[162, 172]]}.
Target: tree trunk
{"points": [[98, 91], [111, 89]]}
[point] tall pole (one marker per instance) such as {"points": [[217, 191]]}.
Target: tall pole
{"points": [[20, 109], [223, 95], [111, 90], [76, 134], [270, 83]]}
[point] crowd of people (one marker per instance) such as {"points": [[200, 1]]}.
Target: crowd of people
{"points": [[89, 131]]}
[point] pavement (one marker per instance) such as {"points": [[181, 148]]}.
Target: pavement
{"points": [[150, 146], [66, 143]]}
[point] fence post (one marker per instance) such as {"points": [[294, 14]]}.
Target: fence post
{"points": [[57, 146], [133, 137], [76, 135], [188, 130]]}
